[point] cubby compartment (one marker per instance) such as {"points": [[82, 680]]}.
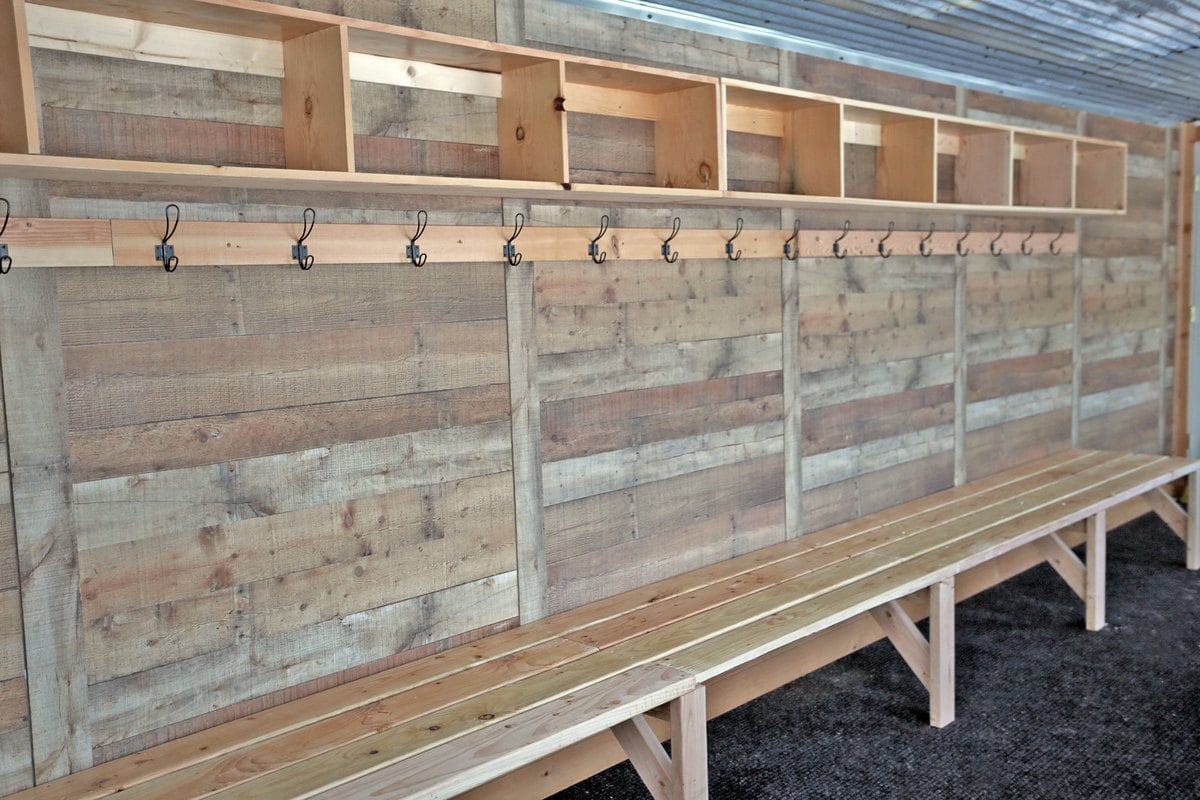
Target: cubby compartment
{"points": [[1043, 173], [889, 155], [800, 133], [1100, 175], [975, 164], [672, 121]]}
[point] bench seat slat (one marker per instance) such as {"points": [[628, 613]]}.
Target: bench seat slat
{"points": [[479, 757]]}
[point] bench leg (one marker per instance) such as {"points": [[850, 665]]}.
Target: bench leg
{"points": [[931, 661], [941, 653], [1186, 524], [683, 775], [1097, 544]]}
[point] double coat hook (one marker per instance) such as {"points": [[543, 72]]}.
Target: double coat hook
{"points": [[300, 249], [729, 243], [791, 248], [1054, 241], [165, 253], [888, 254], [598, 255], [510, 250], [6, 261], [838, 251], [926, 251], [413, 250], [1026, 250], [996, 251], [667, 255], [958, 246]]}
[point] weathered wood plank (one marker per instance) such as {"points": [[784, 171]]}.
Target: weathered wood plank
{"points": [[652, 323], [792, 410], [8, 533], [15, 760], [994, 379], [45, 526], [858, 421], [138, 382], [564, 284], [831, 387], [100, 453], [995, 448], [1133, 429], [876, 454], [864, 311], [182, 690], [120, 509], [12, 643]]}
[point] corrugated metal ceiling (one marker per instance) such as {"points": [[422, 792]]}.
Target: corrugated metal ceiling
{"points": [[1129, 58]]}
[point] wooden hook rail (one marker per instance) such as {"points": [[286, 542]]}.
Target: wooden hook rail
{"points": [[34, 242]]}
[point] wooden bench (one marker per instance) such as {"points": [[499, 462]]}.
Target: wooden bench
{"points": [[453, 721]]}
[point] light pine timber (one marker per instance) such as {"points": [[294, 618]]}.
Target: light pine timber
{"points": [[1193, 527], [45, 523], [941, 652], [1097, 546], [1064, 561], [317, 123], [19, 122]]}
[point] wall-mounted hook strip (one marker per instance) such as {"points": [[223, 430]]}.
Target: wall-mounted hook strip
{"points": [[1026, 250], [413, 250], [996, 251], [838, 252], [1062, 230], [165, 253], [729, 242], [300, 249], [958, 246], [791, 248], [667, 255], [891, 229], [510, 250], [594, 250], [926, 251], [6, 261]]}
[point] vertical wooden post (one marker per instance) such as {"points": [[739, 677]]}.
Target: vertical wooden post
{"points": [[526, 420], [1183, 291], [318, 128], [941, 653], [1097, 545], [960, 333], [47, 550], [689, 746], [793, 483], [18, 117], [1193, 522]]}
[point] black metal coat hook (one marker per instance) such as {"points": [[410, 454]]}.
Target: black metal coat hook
{"points": [[1026, 250], [300, 249], [838, 252], [888, 254], [958, 246], [992, 244], [926, 251], [413, 250], [729, 243], [165, 253], [1061, 231], [668, 256], [594, 250], [510, 250], [6, 261], [791, 248]]}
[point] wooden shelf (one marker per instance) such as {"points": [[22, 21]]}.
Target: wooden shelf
{"points": [[832, 152]]}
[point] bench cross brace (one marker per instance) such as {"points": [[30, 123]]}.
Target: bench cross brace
{"points": [[931, 660], [683, 775], [1185, 524]]}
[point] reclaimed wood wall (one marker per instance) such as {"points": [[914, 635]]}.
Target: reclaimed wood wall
{"points": [[226, 487]]}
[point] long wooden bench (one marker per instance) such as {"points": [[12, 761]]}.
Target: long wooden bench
{"points": [[442, 725]]}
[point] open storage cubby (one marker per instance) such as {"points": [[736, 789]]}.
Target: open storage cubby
{"points": [[889, 155], [982, 158], [564, 127]]}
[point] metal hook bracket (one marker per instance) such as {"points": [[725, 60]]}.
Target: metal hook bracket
{"points": [[1026, 250], [300, 249], [413, 250], [891, 229], [958, 246], [594, 251], [926, 251], [165, 253], [791, 247], [667, 255], [1053, 241], [510, 250], [729, 243], [6, 261], [992, 244], [838, 252]]}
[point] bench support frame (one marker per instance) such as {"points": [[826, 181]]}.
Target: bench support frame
{"points": [[1185, 524], [683, 775], [931, 660]]}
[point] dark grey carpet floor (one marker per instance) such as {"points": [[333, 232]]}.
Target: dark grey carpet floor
{"points": [[1045, 708]]}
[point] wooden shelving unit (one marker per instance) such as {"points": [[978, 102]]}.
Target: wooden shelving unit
{"points": [[832, 151]]}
